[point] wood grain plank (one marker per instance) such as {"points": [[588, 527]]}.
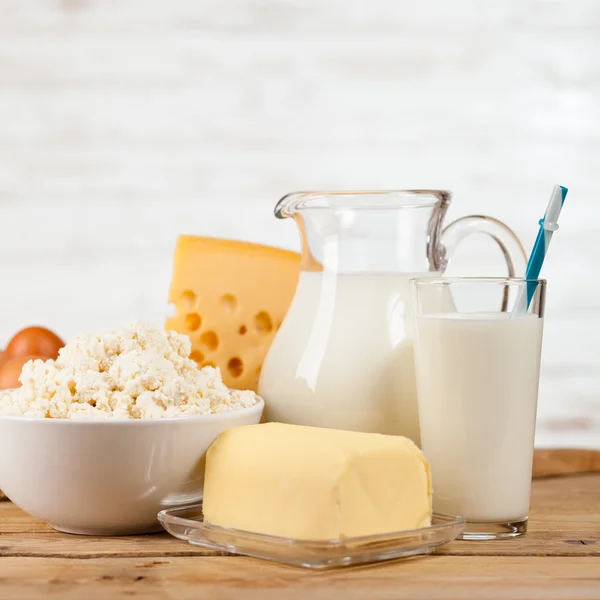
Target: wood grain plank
{"points": [[236, 578], [573, 498], [565, 521], [14, 520], [60, 545], [553, 541], [552, 462]]}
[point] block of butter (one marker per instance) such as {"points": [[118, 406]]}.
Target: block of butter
{"points": [[313, 483]]}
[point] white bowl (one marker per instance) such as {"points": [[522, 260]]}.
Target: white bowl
{"points": [[108, 477]]}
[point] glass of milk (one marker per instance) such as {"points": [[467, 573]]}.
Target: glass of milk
{"points": [[477, 364]]}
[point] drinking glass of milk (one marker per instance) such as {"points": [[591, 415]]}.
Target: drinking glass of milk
{"points": [[477, 359], [343, 356]]}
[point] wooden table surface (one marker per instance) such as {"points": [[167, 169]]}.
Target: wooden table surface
{"points": [[559, 558]]}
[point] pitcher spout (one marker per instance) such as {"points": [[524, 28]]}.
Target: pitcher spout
{"points": [[285, 208]]}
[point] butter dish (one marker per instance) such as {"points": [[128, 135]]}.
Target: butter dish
{"points": [[187, 523]]}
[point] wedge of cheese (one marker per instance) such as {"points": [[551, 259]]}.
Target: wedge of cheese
{"points": [[312, 483], [230, 297]]}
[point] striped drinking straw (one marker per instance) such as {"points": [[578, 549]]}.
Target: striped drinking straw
{"points": [[548, 225]]}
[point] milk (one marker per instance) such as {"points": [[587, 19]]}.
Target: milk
{"points": [[478, 384], [343, 357]]}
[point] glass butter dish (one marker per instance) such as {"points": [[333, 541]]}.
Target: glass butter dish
{"points": [[187, 523]]}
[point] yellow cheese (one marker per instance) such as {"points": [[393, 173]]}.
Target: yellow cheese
{"points": [[312, 483], [230, 298]]}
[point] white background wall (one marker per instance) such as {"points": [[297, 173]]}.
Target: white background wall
{"points": [[126, 122]]}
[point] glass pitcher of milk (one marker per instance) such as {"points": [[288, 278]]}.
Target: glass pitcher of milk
{"points": [[343, 356]]}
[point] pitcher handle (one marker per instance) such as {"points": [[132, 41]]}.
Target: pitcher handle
{"points": [[512, 249]]}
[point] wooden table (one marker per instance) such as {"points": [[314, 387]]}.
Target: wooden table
{"points": [[559, 558]]}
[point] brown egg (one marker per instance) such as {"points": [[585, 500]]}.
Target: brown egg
{"points": [[11, 370], [3, 357], [34, 340]]}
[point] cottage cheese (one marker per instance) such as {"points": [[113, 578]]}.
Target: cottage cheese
{"points": [[138, 372]]}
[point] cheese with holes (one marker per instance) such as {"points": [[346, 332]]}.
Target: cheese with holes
{"points": [[230, 298], [312, 483]]}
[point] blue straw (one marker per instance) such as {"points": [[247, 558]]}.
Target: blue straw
{"points": [[548, 225]]}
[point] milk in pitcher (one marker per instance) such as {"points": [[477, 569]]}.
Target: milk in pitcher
{"points": [[343, 357]]}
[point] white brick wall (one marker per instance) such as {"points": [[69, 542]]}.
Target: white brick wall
{"points": [[124, 123]]}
